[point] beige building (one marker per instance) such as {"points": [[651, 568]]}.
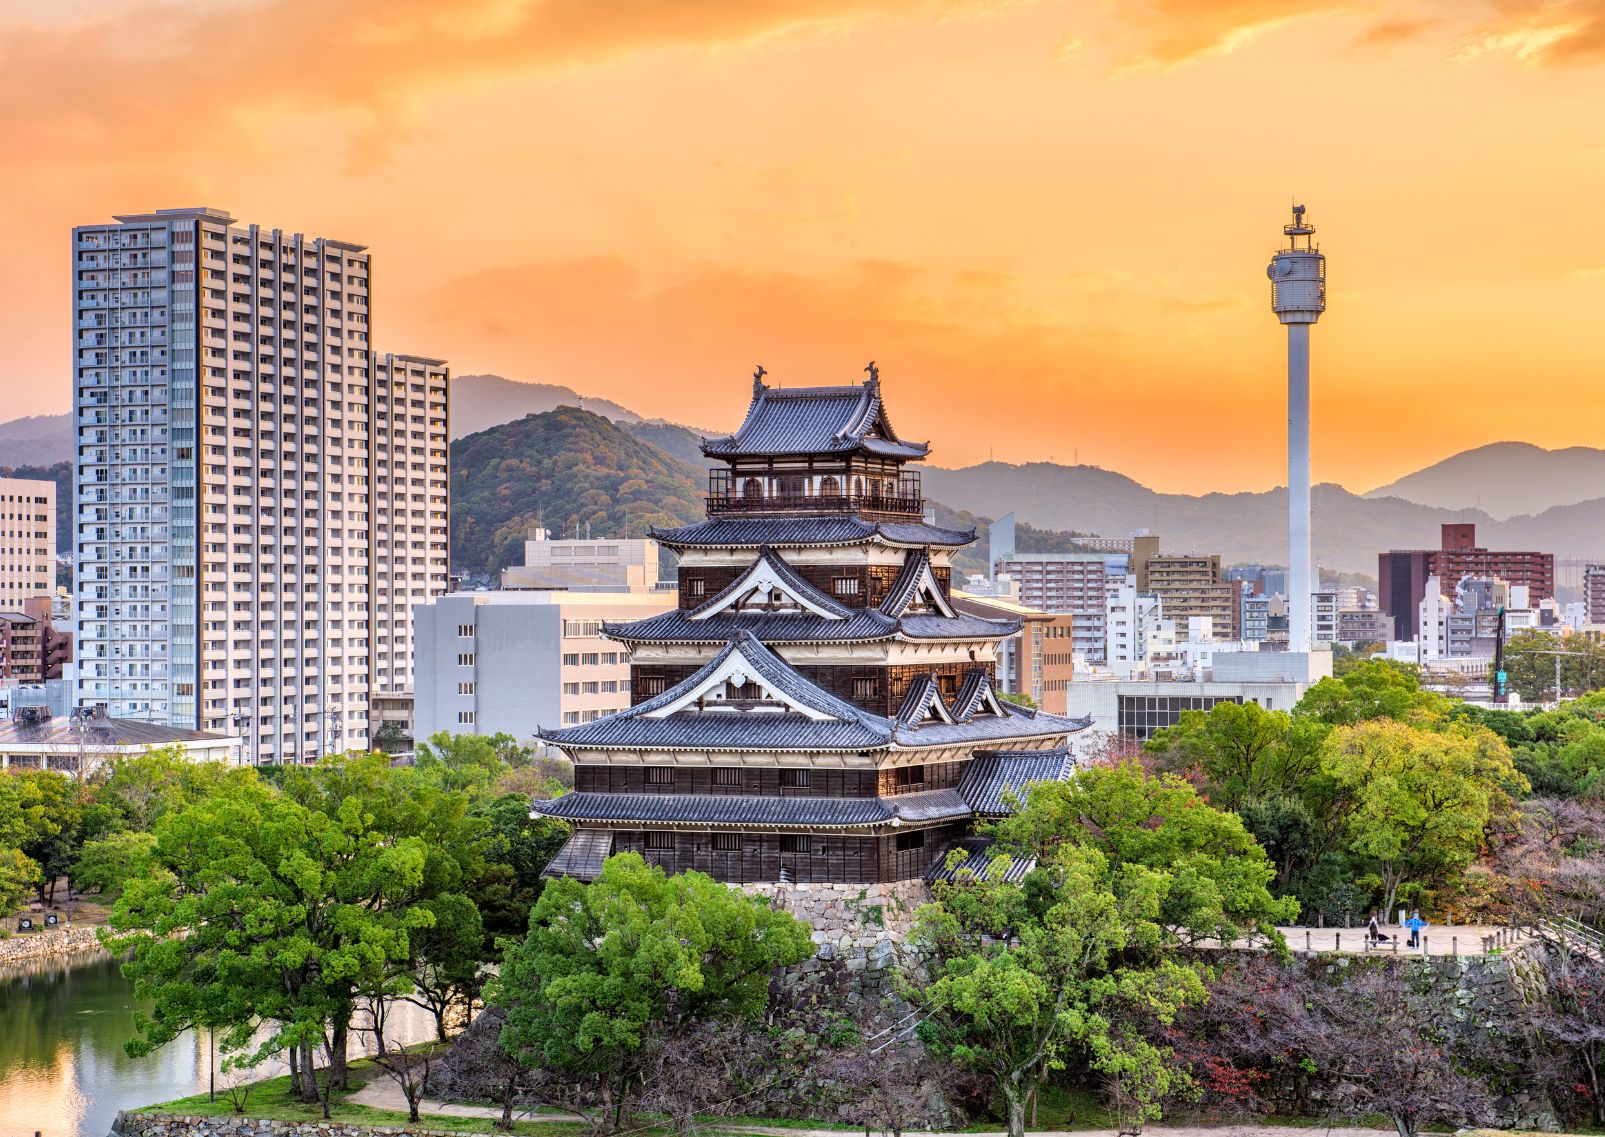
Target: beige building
{"points": [[1039, 659], [242, 541], [1187, 585], [27, 540], [607, 565], [515, 662]]}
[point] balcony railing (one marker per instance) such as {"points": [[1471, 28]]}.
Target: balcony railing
{"points": [[911, 504]]}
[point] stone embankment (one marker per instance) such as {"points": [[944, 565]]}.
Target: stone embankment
{"points": [[174, 1125], [25, 947], [859, 931]]}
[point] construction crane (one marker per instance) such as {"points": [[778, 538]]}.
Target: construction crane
{"points": [[1501, 679]]}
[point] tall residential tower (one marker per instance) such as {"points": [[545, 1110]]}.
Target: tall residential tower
{"points": [[240, 533]]}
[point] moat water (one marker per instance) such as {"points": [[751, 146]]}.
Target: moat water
{"points": [[63, 1070]]}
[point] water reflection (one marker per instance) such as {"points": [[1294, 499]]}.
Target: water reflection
{"points": [[63, 1071]]}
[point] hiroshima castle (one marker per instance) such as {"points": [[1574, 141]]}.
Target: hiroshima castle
{"points": [[814, 710]]}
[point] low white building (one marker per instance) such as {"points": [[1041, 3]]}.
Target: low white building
{"points": [[36, 739], [1137, 708]]}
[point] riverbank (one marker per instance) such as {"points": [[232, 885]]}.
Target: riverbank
{"points": [[51, 944]]}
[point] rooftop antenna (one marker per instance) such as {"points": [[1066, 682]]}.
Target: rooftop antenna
{"points": [[1298, 297]]}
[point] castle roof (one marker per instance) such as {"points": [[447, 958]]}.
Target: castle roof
{"points": [[994, 776], [749, 699], [815, 420]]}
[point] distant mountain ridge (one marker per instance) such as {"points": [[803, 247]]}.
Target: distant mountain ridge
{"points": [[39, 440], [1505, 479]]}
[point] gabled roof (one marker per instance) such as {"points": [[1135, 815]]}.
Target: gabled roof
{"points": [[815, 420], [807, 532], [768, 575], [922, 702], [976, 696], [791, 714], [993, 777], [1016, 724], [916, 589]]}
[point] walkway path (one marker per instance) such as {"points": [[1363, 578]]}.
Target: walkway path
{"points": [[1470, 939]]}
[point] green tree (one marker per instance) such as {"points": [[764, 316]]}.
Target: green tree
{"points": [[106, 864], [631, 956], [1211, 876], [1240, 751], [49, 815], [144, 789], [1025, 979], [448, 959], [18, 876], [268, 921], [1531, 668], [1418, 800], [1376, 689], [517, 849]]}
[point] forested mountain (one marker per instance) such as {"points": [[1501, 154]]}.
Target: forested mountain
{"points": [[564, 469]]}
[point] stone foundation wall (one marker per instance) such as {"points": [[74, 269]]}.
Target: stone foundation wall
{"points": [[25, 947]]}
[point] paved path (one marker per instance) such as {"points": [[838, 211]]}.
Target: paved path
{"points": [[1470, 939]]}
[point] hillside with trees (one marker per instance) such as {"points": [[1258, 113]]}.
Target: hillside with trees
{"points": [[566, 470]]}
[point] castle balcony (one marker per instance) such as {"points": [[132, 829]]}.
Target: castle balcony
{"points": [[900, 497]]}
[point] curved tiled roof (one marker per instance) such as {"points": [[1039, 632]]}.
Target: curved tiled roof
{"points": [[992, 777], [815, 420], [807, 532], [980, 854], [1015, 724], [735, 809], [914, 578]]}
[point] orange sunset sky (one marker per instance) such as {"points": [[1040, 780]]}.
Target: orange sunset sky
{"points": [[1047, 221]]}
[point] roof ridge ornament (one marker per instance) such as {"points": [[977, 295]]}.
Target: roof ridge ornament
{"points": [[874, 377], [757, 380]]}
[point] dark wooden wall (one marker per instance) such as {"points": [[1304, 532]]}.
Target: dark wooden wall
{"points": [[834, 858], [757, 782], [839, 681], [874, 581]]}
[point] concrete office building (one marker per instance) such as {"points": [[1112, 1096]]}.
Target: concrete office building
{"points": [[1364, 626], [1135, 709], [27, 540], [22, 653], [233, 431], [517, 662], [1076, 583], [1402, 573], [1187, 585], [606, 565]]}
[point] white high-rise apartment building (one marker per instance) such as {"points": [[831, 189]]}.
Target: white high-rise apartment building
{"points": [[240, 452], [27, 541]]}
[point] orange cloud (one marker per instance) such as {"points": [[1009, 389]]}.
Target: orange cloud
{"points": [[1184, 31]]}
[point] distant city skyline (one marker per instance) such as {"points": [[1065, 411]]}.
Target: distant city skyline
{"points": [[1049, 219]]}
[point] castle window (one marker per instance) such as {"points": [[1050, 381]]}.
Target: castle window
{"points": [[726, 776], [845, 586], [696, 586], [660, 775], [727, 842], [907, 841], [796, 843], [660, 839], [866, 687], [793, 779], [908, 776]]}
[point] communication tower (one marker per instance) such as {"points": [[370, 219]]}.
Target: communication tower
{"points": [[1298, 297]]}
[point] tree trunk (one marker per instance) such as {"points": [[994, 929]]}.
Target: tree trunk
{"points": [[309, 1074], [1016, 1105], [1405, 1124], [295, 1069], [339, 1071], [507, 1104]]}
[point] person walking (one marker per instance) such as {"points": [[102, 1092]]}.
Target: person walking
{"points": [[1415, 923], [1373, 933]]}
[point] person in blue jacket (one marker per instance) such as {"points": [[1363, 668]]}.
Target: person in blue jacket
{"points": [[1415, 923]]}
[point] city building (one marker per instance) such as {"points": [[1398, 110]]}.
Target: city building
{"points": [[1594, 594], [1076, 583], [1187, 585], [1402, 573], [27, 540], [1364, 626], [1137, 630], [515, 662], [815, 709], [22, 656], [34, 738], [1037, 661], [55, 633], [1134, 709], [411, 515], [1323, 617], [234, 570], [607, 565]]}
